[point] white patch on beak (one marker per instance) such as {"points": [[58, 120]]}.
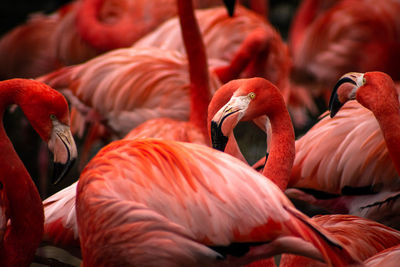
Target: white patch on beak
{"points": [[359, 82], [61, 143], [240, 103]]}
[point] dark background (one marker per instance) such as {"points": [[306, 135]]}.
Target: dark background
{"points": [[14, 12]]}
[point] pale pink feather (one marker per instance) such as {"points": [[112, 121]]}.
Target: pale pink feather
{"points": [[163, 202], [128, 86], [347, 150], [223, 36]]}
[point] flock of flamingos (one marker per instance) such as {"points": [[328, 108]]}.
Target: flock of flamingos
{"points": [[162, 84]]}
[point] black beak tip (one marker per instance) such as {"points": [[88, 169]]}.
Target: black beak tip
{"points": [[334, 105], [60, 170], [218, 139], [230, 5]]}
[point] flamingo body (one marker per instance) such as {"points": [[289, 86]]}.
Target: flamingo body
{"points": [[331, 166], [114, 197]]}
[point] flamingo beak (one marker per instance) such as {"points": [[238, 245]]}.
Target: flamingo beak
{"points": [[225, 120], [63, 147], [218, 138], [344, 90], [230, 6]]}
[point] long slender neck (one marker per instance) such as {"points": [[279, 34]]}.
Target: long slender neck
{"points": [[104, 36], [302, 20], [198, 68], [26, 211], [282, 147], [389, 121]]}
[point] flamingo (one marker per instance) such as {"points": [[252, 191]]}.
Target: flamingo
{"points": [[366, 185], [363, 237], [79, 31], [87, 92], [47, 111], [60, 218], [267, 101], [194, 216], [338, 40]]}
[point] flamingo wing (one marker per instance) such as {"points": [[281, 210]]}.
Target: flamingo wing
{"points": [[60, 225], [129, 86], [175, 200], [223, 36], [355, 154]]}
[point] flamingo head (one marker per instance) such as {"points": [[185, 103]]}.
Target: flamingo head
{"points": [[48, 112], [366, 88], [249, 101]]}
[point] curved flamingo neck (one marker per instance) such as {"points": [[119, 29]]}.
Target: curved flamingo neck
{"points": [[282, 146], [103, 36], [26, 211], [302, 20], [198, 67], [388, 117]]}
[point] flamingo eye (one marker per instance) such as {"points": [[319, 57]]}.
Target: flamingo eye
{"points": [[251, 95]]}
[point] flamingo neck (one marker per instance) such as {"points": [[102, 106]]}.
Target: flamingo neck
{"points": [[282, 148], [104, 36], [389, 122], [198, 67], [25, 232], [302, 20]]}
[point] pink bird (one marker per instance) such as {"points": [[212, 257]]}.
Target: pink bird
{"points": [[60, 218], [269, 102], [339, 40], [182, 203], [47, 111], [80, 31], [149, 99], [362, 237], [367, 184]]}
